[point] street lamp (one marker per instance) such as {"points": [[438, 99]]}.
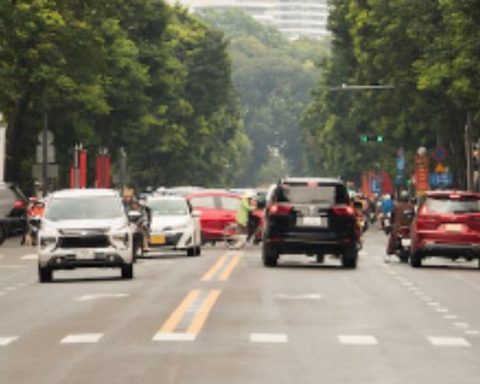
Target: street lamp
{"points": [[3, 130]]}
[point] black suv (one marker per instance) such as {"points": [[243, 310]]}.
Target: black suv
{"points": [[13, 211], [310, 216]]}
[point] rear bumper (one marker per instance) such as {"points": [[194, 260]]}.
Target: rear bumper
{"points": [[314, 245], [450, 250]]}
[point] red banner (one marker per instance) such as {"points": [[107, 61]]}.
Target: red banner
{"points": [[422, 174]]}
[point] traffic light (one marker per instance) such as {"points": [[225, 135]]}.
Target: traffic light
{"points": [[366, 138]]}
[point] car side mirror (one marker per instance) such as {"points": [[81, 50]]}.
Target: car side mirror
{"points": [[134, 216], [196, 213]]}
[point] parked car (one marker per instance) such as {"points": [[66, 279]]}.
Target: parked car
{"points": [[447, 225], [13, 211], [84, 228], [217, 209], [173, 225], [311, 216]]}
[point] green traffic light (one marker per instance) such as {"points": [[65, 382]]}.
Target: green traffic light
{"points": [[364, 138], [380, 138]]}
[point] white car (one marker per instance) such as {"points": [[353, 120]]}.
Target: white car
{"points": [[173, 225], [84, 228]]}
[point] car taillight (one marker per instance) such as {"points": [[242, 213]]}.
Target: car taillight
{"points": [[18, 204], [280, 209], [343, 210]]}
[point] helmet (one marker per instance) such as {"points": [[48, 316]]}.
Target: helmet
{"points": [[404, 196]]}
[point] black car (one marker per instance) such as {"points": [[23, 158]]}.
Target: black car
{"points": [[311, 216], [13, 211]]}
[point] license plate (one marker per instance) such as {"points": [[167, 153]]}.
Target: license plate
{"points": [[313, 221], [406, 243], [157, 239], [453, 227], [84, 254]]}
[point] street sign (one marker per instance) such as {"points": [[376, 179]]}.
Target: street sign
{"points": [[440, 168], [52, 170], [400, 163], [440, 154], [49, 137], [441, 179], [376, 186], [50, 154]]}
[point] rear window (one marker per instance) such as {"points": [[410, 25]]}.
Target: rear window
{"points": [[230, 203], [202, 202], [319, 194], [446, 205]]}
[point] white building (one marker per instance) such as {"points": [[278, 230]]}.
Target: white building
{"points": [[295, 18]]}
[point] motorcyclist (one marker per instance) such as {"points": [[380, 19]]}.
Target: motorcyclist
{"points": [[386, 208], [400, 219], [35, 212]]}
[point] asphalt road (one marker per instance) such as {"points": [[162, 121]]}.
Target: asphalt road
{"points": [[224, 318]]}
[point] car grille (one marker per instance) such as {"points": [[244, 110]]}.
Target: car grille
{"points": [[88, 241]]}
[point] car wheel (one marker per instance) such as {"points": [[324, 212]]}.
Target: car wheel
{"points": [[349, 258], [198, 250], [320, 258], [269, 256], [3, 234], [127, 271], [416, 259], [403, 256], [191, 251], [45, 274], [136, 251]]}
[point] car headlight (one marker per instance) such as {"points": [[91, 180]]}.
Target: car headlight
{"points": [[48, 241], [120, 239]]}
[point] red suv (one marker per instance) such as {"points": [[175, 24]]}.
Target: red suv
{"points": [[447, 225], [218, 209]]}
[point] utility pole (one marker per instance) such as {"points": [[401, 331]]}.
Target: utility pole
{"points": [[45, 154], [468, 151]]}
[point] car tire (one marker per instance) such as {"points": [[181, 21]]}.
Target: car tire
{"points": [[136, 251], [191, 251], [45, 274], [198, 250], [127, 271], [269, 256], [320, 258], [3, 234], [416, 259], [403, 256], [349, 258]]}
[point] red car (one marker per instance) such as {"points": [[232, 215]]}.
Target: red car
{"points": [[218, 209], [447, 224]]}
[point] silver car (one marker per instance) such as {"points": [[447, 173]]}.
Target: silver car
{"points": [[84, 228]]}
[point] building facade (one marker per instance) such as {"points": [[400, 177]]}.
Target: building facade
{"points": [[295, 18]]}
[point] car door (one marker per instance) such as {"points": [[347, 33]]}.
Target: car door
{"points": [[229, 206]]}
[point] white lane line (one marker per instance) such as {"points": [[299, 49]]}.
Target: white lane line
{"points": [[13, 266], [362, 253], [102, 296], [450, 317], [449, 342], [407, 284], [433, 304], [174, 337], [426, 298], [82, 338], [4, 341], [441, 310], [11, 289], [268, 338], [472, 332], [460, 324], [30, 256], [357, 340], [306, 296]]}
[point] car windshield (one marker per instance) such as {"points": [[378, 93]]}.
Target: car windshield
{"points": [[84, 208], [304, 194], [446, 205], [168, 207]]}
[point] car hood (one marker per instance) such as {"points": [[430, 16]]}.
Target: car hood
{"points": [[100, 225], [166, 222]]}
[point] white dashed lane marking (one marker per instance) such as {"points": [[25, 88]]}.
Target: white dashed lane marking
{"points": [[4, 341], [449, 342], [357, 340], [306, 296], [81, 338], [268, 338], [472, 332], [460, 324], [31, 256], [450, 317], [102, 296], [174, 337], [441, 310]]}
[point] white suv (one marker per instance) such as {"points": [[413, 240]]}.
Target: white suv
{"points": [[84, 228]]}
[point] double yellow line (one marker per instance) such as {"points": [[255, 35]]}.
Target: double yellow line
{"points": [[167, 332], [170, 330], [221, 266]]}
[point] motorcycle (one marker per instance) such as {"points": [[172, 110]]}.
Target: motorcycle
{"points": [[386, 223], [34, 223]]}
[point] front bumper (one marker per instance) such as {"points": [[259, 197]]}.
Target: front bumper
{"points": [[176, 240], [69, 258]]}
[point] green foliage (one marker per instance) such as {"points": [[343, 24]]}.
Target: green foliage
{"points": [[428, 50], [120, 73], [273, 77]]}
